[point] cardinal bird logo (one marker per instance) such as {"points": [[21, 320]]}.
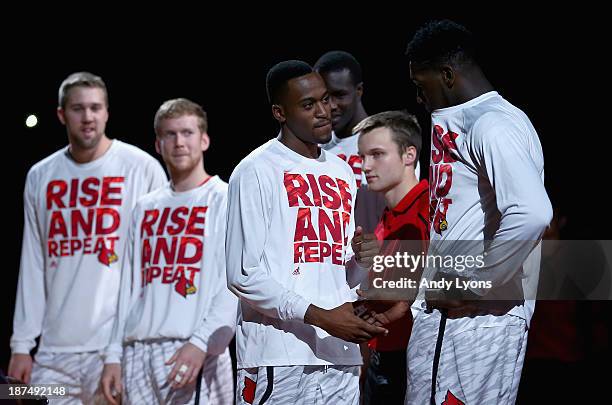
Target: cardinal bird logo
{"points": [[184, 287], [107, 256], [450, 399], [248, 392], [440, 224]]}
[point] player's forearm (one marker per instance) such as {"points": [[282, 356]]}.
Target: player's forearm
{"points": [[217, 328], [355, 273], [114, 350], [251, 281], [27, 326], [269, 297], [29, 310], [521, 227]]}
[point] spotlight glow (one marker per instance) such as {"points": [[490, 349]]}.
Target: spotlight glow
{"points": [[31, 121]]}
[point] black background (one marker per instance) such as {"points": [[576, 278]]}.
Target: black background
{"points": [[540, 63]]}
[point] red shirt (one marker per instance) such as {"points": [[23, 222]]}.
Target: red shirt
{"points": [[406, 221]]}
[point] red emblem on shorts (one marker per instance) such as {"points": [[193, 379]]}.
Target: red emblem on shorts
{"points": [[451, 399], [248, 392]]}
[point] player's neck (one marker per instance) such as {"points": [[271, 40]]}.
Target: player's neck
{"points": [[397, 193], [306, 149], [185, 181], [360, 115], [81, 155], [474, 86]]}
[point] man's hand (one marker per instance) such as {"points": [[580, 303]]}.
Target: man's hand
{"points": [[188, 360], [365, 246], [111, 383], [381, 312], [342, 323], [452, 299], [20, 367]]}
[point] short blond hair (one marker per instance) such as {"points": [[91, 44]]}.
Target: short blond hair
{"points": [[404, 127], [80, 79], [177, 108]]}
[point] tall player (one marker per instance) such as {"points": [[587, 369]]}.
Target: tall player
{"points": [[486, 182], [175, 314], [290, 221], [77, 204]]}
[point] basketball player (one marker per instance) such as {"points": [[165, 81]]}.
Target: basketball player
{"points": [[290, 221], [77, 204], [175, 314], [486, 184]]}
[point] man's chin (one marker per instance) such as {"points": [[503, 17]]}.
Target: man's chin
{"points": [[374, 187], [323, 137], [87, 143]]}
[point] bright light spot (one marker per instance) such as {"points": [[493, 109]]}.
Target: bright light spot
{"points": [[31, 121]]}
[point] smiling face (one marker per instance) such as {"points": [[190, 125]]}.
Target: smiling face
{"points": [[84, 114]]}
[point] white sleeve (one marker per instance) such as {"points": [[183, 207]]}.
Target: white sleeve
{"points": [[130, 261], [248, 227], [355, 274], [156, 176], [219, 323], [503, 151], [31, 293]]}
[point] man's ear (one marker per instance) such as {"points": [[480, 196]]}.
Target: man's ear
{"points": [[410, 156], [359, 89], [61, 115], [205, 141], [278, 113], [157, 145], [448, 76]]}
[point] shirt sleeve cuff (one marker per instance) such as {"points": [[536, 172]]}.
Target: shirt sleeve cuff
{"points": [[113, 355], [299, 309], [199, 343], [21, 347]]}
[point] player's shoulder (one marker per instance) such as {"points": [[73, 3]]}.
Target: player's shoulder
{"points": [[496, 113], [46, 164], [133, 159], [263, 159], [333, 158], [338, 164], [153, 197], [218, 188], [132, 153], [342, 145]]}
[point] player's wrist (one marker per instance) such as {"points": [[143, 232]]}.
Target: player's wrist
{"points": [[315, 316]]}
